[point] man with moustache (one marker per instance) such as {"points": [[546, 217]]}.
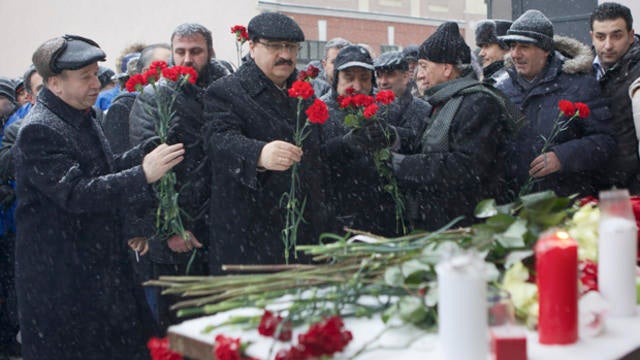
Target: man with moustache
{"points": [[617, 65], [250, 121], [539, 77], [191, 45], [75, 290]]}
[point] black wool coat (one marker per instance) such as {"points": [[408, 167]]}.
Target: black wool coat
{"points": [[73, 277], [442, 184], [244, 112]]}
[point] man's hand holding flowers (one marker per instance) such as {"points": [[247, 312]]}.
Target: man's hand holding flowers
{"points": [[544, 164], [279, 156], [179, 244], [371, 137]]}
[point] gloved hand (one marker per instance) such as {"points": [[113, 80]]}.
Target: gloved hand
{"points": [[371, 137]]}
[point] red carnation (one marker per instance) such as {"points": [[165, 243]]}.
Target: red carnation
{"points": [[170, 73], [159, 350], [293, 353], [188, 70], [567, 107], [385, 97], [135, 83], [241, 33], [313, 71], [302, 75], [150, 76], [269, 326], [350, 91], [301, 90], [325, 338], [318, 113], [370, 110], [227, 348], [583, 110], [362, 100], [344, 101], [157, 66]]}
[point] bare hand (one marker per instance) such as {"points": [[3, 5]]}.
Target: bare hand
{"points": [[178, 244], [279, 155], [164, 157], [139, 244], [544, 164]]}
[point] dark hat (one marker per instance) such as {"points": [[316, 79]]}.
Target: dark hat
{"points": [[353, 55], [7, 89], [446, 46], [391, 60], [487, 32], [274, 26], [410, 52], [126, 59], [531, 27], [18, 84], [68, 52], [104, 75]]}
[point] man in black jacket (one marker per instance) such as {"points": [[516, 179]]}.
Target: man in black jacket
{"points": [[75, 291], [617, 65], [460, 158], [250, 123], [492, 49], [191, 45]]}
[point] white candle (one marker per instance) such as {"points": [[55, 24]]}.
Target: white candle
{"points": [[617, 249], [462, 308]]}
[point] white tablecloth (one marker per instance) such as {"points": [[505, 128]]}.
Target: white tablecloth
{"points": [[620, 337]]}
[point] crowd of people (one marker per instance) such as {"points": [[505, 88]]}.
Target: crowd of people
{"points": [[79, 156]]}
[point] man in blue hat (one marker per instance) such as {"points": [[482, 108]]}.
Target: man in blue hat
{"points": [[73, 280]]}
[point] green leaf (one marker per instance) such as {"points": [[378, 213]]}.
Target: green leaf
{"points": [[351, 121], [414, 266], [393, 276], [534, 200], [514, 236], [485, 208], [411, 309], [500, 222]]}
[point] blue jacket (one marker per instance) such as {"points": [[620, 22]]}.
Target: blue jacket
{"points": [[585, 146]]}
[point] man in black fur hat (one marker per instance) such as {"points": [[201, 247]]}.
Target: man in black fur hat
{"points": [[492, 49]]}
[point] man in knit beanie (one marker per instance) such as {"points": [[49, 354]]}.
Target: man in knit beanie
{"points": [[463, 147], [492, 49], [537, 79]]}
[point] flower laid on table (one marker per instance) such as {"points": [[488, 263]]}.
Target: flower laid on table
{"points": [[324, 338], [168, 214], [273, 325], [363, 109], [317, 113], [228, 348], [569, 111], [242, 36], [159, 350]]}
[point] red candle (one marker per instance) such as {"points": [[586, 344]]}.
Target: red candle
{"points": [[557, 278]]}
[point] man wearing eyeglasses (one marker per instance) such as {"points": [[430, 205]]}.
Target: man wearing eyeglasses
{"points": [[250, 120], [73, 279]]}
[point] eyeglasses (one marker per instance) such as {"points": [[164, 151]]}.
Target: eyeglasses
{"points": [[276, 47]]}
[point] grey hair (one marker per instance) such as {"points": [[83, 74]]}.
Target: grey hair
{"points": [[146, 56], [462, 68], [26, 78], [335, 43], [191, 29]]}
